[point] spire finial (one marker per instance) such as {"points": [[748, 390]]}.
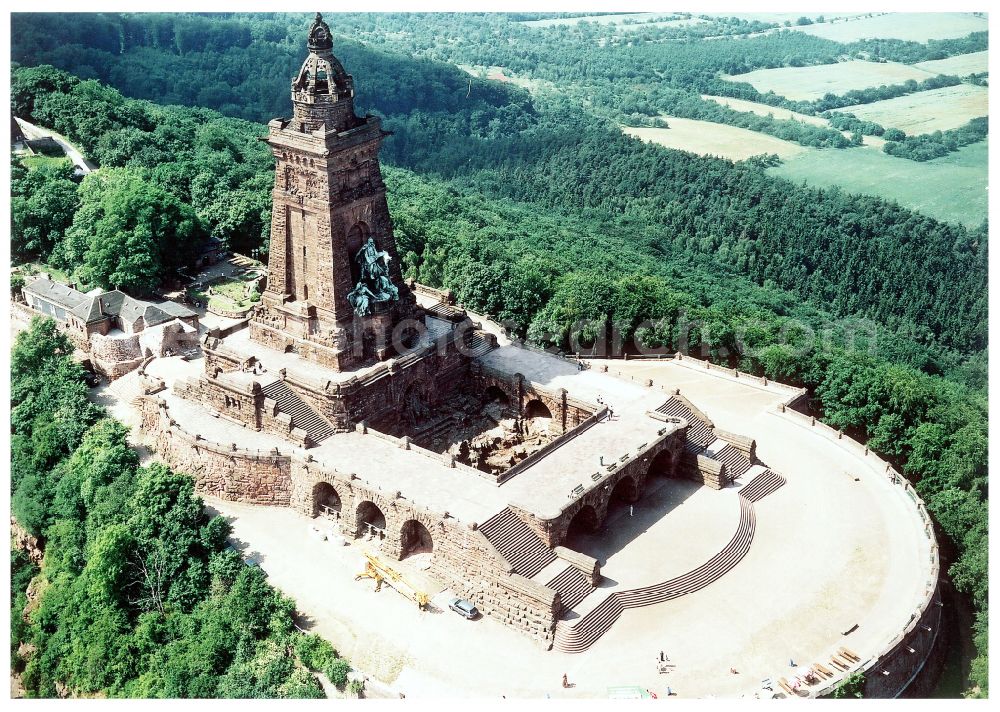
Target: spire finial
{"points": [[320, 39]]}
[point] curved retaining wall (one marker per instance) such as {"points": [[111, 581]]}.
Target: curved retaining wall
{"points": [[897, 664]]}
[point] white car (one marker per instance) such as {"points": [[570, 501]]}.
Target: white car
{"points": [[464, 608]]}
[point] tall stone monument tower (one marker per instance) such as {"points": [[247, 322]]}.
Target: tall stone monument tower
{"points": [[335, 293]]}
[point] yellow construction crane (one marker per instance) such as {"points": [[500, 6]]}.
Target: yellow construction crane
{"points": [[375, 569]]}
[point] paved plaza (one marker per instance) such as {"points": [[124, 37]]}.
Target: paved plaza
{"points": [[837, 547]]}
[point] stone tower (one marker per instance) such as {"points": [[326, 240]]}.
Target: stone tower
{"points": [[335, 292]]}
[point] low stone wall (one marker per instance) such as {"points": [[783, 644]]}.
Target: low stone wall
{"points": [[444, 296], [225, 471], [590, 566], [463, 558], [898, 662], [747, 446]]}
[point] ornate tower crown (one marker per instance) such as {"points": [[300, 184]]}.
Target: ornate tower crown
{"points": [[320, 39], [322, 92]]}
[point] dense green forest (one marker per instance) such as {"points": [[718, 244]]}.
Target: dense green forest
{"points": [[542, 214], [240, 63], [138, 594]]}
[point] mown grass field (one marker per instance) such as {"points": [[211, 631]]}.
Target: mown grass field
{"points": [[808, 83], [616, 18], [927, 111], [765, 110], [960, 65], [952, 188], [911, 26], [710, 139]]}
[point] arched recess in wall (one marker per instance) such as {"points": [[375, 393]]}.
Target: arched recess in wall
{"points": [[627, 490], [371, 520], [537, 417], [414, 405], [356, 238], [415, 538], [583, 522], [326, 500], [663, 465], [495, 393]]}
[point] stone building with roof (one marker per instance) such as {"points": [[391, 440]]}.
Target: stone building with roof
{"points": [[117, 330]]}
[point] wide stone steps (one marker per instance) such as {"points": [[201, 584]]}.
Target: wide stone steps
{"points": [[516, 543], [762, 485], [302, 415], [435, 430], [588, 629], [572, 586], [127, 388], [479, 345], [698, 430], [736, 462]]}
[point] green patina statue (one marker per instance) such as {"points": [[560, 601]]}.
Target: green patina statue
{"points": [[374, 285]]}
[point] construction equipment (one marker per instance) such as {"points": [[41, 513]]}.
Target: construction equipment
{"points": [[375, 569]]}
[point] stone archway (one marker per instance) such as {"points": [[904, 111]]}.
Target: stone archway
{"points": [[495, 393], [370, 520], [414, 538], [663, 465], [326, 501], [626, 491], [414, 404], [356, 238], [583, 522], [537, 417]]}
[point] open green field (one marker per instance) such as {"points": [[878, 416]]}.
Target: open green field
{"points": [[781, 18], [952, 188], [911, 26], [37, 161], [809, 83], [754, 107], [616, 18], [707, 138], [927, 111], [661, 23], [960, 65]]}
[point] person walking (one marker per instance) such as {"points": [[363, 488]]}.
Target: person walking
{"points": [[565, 680]]}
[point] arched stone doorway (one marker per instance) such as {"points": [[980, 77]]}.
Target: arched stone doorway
{"points": [[414, 405], [371, 520], [626, 491], [537, 417], [583, 522], [494, 393], [326, 501], [415, 538], [663, 465]]}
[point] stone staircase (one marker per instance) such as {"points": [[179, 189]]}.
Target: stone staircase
{"points": [[127, 388], [437, 429], [572, 586], [302, 415], [516, 543], [762, 485], [588, 629], [699, 431], [702, 440], [736, 462], [479, 345]]}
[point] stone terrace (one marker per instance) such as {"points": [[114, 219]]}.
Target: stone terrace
{"points": [[542, 488]]}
